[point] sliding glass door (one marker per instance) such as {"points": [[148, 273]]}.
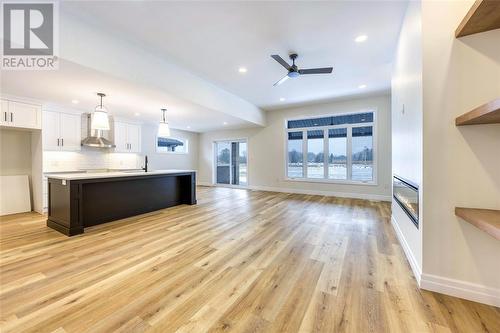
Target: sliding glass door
{"points": [[231, 162]]}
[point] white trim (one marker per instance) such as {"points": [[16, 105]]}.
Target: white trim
{"points": [[364, 196], [372, 197], [330, 181], [415, 267], [462, 289], [205, 184]]}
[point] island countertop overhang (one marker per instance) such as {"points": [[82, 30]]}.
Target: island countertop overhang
{"points": [[120, 174]]}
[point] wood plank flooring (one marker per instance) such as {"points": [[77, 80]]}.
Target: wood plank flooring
{"points": [[239, 261]]}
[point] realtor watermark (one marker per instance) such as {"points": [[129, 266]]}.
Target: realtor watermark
{"points": [[30, 35]]}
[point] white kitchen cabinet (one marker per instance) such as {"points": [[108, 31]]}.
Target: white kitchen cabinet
{"points": [[20, 115], [61, 131], [127, 137]]}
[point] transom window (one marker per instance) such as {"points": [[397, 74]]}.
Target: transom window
{"points": [[333, 148]]}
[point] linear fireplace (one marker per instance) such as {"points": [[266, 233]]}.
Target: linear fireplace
{"points": [[406, 195]]}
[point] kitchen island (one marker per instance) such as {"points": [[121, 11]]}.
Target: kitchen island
{"points": [[80, 200]]}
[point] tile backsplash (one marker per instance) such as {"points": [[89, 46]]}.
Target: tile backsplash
{"points": [[86, 159]]}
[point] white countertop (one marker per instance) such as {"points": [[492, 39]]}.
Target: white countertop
{"points": [[90, 175]]}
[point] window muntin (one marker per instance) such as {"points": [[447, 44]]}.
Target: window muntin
{"points": [[334, 148]]}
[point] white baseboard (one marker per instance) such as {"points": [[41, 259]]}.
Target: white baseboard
{"points": [[457, 288], [204, 184], [415, 267], [374, 197], [462, 289], [365, 196]]}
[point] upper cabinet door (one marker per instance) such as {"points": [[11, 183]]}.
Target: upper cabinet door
{"points": [[134, 138], [70, 132], [50, 131], [24, 115], [4, 113], [121, 137]]}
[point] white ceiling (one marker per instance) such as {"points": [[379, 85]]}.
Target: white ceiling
{"points": [[123, 98], [213, 39]]}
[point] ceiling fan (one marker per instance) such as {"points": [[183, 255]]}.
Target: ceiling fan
{"points": [[294, 71]]}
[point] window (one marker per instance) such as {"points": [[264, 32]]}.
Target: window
{"points": [[172, 145], [295, 155], [231, 162], [334, 148]]}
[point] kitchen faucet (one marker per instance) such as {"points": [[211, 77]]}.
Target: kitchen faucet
{"points": [[145, 168]]}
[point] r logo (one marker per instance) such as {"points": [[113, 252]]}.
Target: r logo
{"points": [[28, 29]]}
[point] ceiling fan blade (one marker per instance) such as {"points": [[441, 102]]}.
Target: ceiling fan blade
{"points": [[325, 70], [281, 61], [281, 81]]}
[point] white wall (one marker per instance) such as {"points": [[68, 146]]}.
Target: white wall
{"points": [[21, 154], [461, 164], [15, 148], [266, 150], [158, 161], [88, 159], [407, 128]]}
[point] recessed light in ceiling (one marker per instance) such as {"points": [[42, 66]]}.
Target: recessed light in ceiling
{"points": [[137, 114], [75, 101], [362, 86], [224, 123], [188, 127], [282, 99], [242, 70], [361, 38]]}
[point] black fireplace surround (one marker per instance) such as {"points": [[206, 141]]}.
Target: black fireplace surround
{"points": [[406, 195]]}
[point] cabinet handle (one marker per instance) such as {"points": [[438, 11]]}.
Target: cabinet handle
{"points": [[5, 116], [62, 142], [11, 117], [58, 142]]}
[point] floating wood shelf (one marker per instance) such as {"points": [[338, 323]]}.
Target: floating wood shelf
{"points": [[484, 15], [488, 113], [487, 220]]}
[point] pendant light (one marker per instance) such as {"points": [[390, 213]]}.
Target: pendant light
{"points": [[163, 129], [100, 119]]}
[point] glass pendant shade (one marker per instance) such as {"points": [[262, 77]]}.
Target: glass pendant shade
{"points": [[100, 119], [163, 129]]}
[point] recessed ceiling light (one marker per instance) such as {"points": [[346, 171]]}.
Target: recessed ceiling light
{"points": [[75, 101], [224, 123], [282, 99], [188, 126], [137, 114], [362, 86], [361, 38], [242, 70]]}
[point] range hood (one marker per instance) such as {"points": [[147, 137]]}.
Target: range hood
{"points": [[96, 138]]}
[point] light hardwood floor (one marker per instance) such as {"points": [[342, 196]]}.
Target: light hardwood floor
{"points": [[241, 261]]}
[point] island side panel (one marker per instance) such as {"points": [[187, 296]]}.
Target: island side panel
{"points": [[63, 207]]}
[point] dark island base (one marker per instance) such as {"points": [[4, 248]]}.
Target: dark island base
{"points": [[87, 202]]}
